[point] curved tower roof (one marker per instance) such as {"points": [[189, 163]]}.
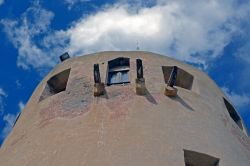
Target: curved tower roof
{"points": [[123, 113]]}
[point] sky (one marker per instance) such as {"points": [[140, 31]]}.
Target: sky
{"points": [[212, 35]]}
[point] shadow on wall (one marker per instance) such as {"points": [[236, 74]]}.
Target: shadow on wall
{"points": [[182, 102], [150, 98]]}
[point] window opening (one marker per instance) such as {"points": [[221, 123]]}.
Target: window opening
{"points": [[56, 84], [182, 78], [118, 71], [197, 159], [233, 114]]}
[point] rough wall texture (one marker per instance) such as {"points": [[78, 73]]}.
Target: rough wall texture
{"points": [[120, 128]]}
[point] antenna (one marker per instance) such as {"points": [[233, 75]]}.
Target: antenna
{"points": [[137, 46]]}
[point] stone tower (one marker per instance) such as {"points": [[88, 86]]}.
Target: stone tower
{"points": [[127, 108]]}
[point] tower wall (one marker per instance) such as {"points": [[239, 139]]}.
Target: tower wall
{"points": [[64, 124]]}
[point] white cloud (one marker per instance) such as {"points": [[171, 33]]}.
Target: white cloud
{"points": [[71, 3], [34, 22], [2, 96], [21, 105], [2, 93], [1, 2], [244, 52], [9, 120], [6, 130], [239, 100], [196, 32]]}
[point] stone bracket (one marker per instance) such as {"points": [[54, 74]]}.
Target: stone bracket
{"points": [[140, 86], [170, 91], [99, 89]]}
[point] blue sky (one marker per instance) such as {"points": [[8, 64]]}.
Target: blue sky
{"points": [[212, 35]]}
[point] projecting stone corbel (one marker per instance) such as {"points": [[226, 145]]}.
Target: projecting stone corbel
{"points": [[170, 90], [99, 88]]}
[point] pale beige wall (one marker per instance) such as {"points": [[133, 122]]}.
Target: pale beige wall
{"points": [[122, 128]]}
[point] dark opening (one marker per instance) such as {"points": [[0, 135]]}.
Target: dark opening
{"points": [[118, 71], [183, 79], [139, 69], [197, 159], [56, 84], [233, 113], [97, 77]]}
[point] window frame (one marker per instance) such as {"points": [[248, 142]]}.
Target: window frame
{"points": [[120, 64]]}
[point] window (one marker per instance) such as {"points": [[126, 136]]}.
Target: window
{"points": [[56, 84], [234, 115], [183, 79], [197, 159], [118, 71]]}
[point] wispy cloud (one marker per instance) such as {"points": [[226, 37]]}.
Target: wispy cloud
{"points": [[239, 100], [71, 3], [2, 92], [21, 105], [1, 2], [9, 120], [3, 95], [34, 22], [244, 54]]}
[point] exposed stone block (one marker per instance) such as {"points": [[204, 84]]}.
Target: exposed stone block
{"points": [[140, 86], [99, 89], [170, 91]]}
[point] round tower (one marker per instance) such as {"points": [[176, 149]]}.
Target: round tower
{"points": [[127, 108]]}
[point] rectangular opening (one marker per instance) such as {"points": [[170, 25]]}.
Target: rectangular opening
{"points": [[183, 79], [118, 71], [233, 114], [56, 84], [197, 159]]}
